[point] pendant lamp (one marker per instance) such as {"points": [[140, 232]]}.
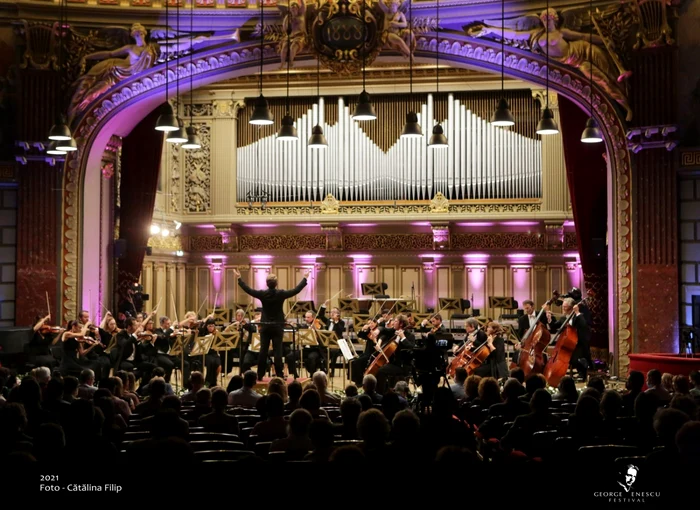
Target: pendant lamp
{"points": [[591, 133], [262, 116], [167, 121], [547, 125], [288, 131], [60, 132], [318, 139], [192, 142], [411, 128], [364, 109], [438, 140], [502, 116]]}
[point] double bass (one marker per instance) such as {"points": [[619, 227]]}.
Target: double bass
{"points": [[535, 342], [565, 342]]}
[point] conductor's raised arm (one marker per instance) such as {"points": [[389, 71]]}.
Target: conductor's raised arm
{"points": [[296, 290], [251, 292]]}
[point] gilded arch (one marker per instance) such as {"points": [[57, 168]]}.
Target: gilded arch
{"points": [[211, 65]]}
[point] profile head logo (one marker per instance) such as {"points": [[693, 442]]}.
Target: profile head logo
{"points": [[628, 477]]}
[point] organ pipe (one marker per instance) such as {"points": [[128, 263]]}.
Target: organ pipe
{"points": [[481, 162]]}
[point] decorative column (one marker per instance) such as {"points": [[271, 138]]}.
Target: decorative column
{"points": [[223, 157], [170, 290], [147, 283], [180, 290], [555, 193], [159, 289]]}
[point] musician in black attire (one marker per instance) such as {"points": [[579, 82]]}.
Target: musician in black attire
{"points": [[525, 322], [165, 339], [334, 323], [212, 360], [581, 357], [495, 364], [359, 364], [273, 318], [399, 365], [39, 347], [129, 356]]}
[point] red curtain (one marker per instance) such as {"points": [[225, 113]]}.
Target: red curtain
{"points": [[140, 166], [586, 171]]}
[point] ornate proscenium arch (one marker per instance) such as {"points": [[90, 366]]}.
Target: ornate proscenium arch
{"points": [[215, 64]]}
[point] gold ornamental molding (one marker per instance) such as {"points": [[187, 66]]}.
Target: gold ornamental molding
{"points": [[455, 49]]}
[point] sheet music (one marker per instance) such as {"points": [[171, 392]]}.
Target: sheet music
{"points": [[345, 349]]}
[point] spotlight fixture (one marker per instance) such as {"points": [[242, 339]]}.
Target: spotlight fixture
{"points": [[591, 134], [547, 125], [411, 129], [155, 229], [364, 109], [438, 140], [317, 139]]}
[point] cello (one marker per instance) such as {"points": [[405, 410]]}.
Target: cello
{"points": [[469, 357], [534, 343], [565, 342]]}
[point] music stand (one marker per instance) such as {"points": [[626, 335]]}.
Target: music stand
{"points": [[405, 305], [225, 342], [306, 338], [221, 315], [348, 352], [450, 305], [349, 305], [373, 289], [327, 339], [502, 303], [301, 307], [289, 337], [201, 347], [178, 350]]}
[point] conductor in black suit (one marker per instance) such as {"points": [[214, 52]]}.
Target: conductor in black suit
{"points": [[273, 318]]}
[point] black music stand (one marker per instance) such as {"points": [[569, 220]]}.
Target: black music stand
{"points": [[450, 305], [299, 308], [503, 303]]}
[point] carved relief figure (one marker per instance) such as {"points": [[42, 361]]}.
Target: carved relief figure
{"points": [[396, 33], [120, 64], [294, 24], [127, 61], [570, 48]]}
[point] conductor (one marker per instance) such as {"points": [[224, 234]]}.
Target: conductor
{"points": [[273, 318]]}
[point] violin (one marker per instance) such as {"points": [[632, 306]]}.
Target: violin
{"points": [[565, 341], [146, 336], [317, 324], [535, 342], [54, 330]]}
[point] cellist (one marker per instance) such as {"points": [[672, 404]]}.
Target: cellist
{"points": [[399, 365], [495, 364], [581, 357]]}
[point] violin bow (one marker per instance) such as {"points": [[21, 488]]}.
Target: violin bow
{"points": [[200, 307], [48, 306], [174, 307]]}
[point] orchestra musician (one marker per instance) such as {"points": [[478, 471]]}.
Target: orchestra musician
{"points": [[313, 357], [495, 365], [97, 352], [76, 346], [129, 355], [581, 357], [336, 324], [525, 322], [165, 338], [212, 360], [39, 348], [273, 318], [435, 325], [399, 364], [369, 333]]}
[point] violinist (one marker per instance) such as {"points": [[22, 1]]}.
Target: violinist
{"points": [[165, 338], [108, 330], [313, 357], [399, 364], [97, 353], [76, 346], [369, 333], [129, 356], [336, 324], [251, 353], [39, 346], [581, 357], [475, 335], [212, 360], [434, 325]]}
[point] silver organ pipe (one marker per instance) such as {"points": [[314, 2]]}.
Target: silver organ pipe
{"points": [[481, 162]]}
